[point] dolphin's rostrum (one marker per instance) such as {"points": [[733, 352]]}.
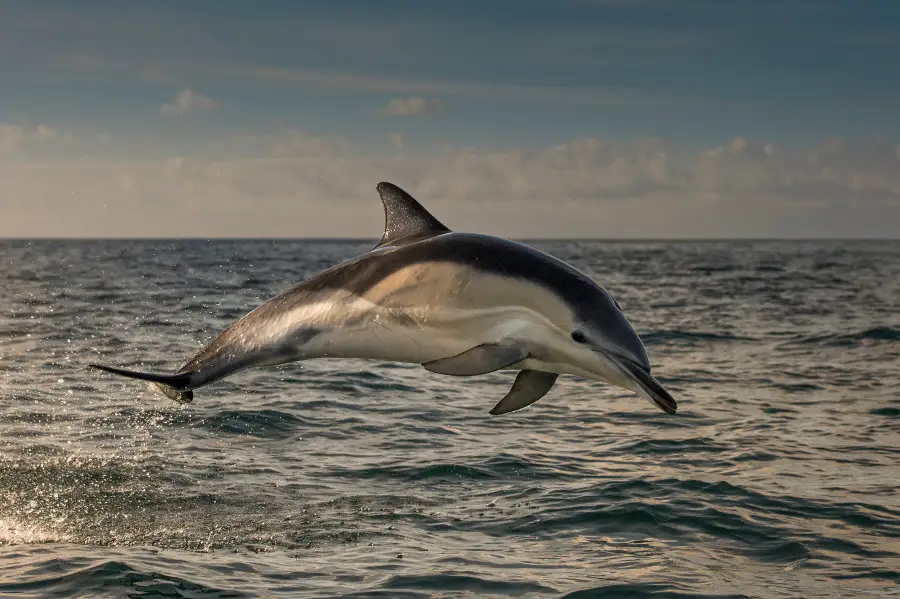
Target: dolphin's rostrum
{"points": [[458, 303]]}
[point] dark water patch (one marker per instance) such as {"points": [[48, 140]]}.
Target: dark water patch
{"points": [[660, 519], [384, 594], [676, 337], [880, 574], [886, 411], [874, 335], [758, 526], [328, 403], [392, 386], [639, 590], [889, 452], [778, 551], [100, 579], [770, 409], [727, 494], [626, 520], [382, 503], [495, 467], [710, 268], [358, 383], [687, 418], [798, 387], [254, 282], [449, 582], [401, 444], [669, 447], [882, 333], [434, 472], [844, 546], [750, 455], [769, 268], [263, 423]]}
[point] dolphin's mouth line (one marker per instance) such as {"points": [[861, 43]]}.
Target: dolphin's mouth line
{"points": [[648, 384]]}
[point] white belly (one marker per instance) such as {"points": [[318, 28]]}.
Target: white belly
{"points": [[421, 335]]}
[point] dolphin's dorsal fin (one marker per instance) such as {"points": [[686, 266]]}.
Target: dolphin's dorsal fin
{"points": [[404, 217]]}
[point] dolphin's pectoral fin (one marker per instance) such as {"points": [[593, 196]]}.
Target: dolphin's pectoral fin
{"points": [[481, 359], [530, 386]]}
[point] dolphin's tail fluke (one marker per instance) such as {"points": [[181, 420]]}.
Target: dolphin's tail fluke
{"points": [[174, 386]]}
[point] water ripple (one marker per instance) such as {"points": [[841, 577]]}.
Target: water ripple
{"points": [[777, 478]]}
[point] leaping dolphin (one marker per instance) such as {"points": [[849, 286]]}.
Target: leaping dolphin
{"points": [[457, 303]]}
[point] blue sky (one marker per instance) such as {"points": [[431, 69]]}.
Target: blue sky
{"points": [[490, 74], [506, 71]]}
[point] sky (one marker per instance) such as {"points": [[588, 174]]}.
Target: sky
{"points": [[650, 119]]}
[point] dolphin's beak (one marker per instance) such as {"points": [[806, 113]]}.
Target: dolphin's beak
{"points": [[646, 385]]}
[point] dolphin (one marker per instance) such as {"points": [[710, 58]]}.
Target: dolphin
{"points": [[459, 304]]}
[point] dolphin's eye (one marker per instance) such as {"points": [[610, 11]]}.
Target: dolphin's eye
{"points": [[578, 337]]}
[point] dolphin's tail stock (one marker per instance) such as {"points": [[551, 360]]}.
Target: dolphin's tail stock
{"points": [[174, 386]]}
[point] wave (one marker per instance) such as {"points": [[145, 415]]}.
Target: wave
{"points": [[262, 423], [99, 579], [660, 337], [876, 334], [459, 582], [497, 467], [887, 411], [756, 525], [638, 591]]}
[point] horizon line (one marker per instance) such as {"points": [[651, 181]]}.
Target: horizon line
{"points": [[520, 239]]}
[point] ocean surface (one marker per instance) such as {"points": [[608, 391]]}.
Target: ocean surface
{"points": [[778, 477]]}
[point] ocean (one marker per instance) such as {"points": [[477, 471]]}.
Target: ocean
{"points": [[778, 477]]}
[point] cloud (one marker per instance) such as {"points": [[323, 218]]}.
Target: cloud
{"points": [[383, 84], [14, 138], [363, 50], [44, 133], [411, 106], [186, 101], [587, 187]]}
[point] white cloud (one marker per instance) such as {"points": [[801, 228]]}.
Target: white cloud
{"points": [[14, 138], [186, 101], [44, 133], [588, 187], [411, 106], [383, 84]]}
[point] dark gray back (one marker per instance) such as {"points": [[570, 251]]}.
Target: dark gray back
{"points": [[479, 252]]}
